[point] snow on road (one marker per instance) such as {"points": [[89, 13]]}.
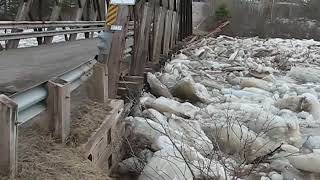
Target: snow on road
{"points": [[32, 42]]}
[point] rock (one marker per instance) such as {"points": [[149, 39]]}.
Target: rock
{"points": [[190, 133], [312, 142], [168, 80], [306, 162], [305, 75], [236, 139], [292, 103], [163, 104], [275, 176], [253, 82], [187, 89], [157, 88], [155, 116], [311, 104], [147, 128], [166, 165], [131, 165], [135, 164]]}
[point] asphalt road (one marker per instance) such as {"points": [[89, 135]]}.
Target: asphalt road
{"points": [[23, 68]]}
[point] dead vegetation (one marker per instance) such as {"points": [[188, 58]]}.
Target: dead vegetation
{"points": [[41, 156]]}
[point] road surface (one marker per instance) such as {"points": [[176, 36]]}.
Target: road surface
{"points": [[23, 68]]}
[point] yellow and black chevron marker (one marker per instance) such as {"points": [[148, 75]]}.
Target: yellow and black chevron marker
{"points": [[112, 14]]}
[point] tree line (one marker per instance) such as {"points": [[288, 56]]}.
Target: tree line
{"points": [[9, 8]]}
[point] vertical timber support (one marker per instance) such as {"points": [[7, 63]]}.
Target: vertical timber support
{"points": [[8, 136], [78, 16], [142, 30], [54, 17], [158, 32], [98, 83], [21, 16], [117, 47], [167, 32], [59, 108]]}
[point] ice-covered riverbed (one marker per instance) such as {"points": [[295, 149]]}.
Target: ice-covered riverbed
{"points": [[32, 42], [231, 108]]}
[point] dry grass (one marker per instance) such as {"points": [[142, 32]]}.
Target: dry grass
{"points": [[86, 120], [40, 156]]}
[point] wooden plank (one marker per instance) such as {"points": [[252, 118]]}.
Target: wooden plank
{"points": [[8, 136], [97, 85], [141, 37], [117, 47], [173, 30], [165, 4], [106, 140], [78, 16], [59, 108], [167, 32], [171, 4], [158, 33], [21, 16], [54, 17], [189, 18], [148, 39]]}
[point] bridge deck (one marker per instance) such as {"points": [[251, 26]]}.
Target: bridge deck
{"points": [[26, 67]]}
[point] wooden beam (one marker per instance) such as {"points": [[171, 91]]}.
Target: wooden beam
{"points": [[117, 47], [59, 108], [97, 85], [173, 29], [141, 37], [21, 16], [78, 16], [53, 17], [167, 32], [8, 136], [158, 33]]}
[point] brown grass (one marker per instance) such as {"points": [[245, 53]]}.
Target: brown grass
{"points": [[40, 156]]}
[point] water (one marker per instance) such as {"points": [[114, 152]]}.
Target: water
{"points": [[275, 18]]}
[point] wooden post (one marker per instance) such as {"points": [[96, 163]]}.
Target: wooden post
{"points": [[173, 29], [54, 17], [158, 33], [117, 47], [21, 16], [78, 16], [8, 136], [141, 41], [167, 32], [98, 83], [59, 108], [178, 10]]}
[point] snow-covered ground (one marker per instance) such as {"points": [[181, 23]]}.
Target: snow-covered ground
{"points": [[32, 42], [242, 108]]}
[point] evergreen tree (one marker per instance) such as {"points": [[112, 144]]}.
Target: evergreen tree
{"points": [[222, 12]]}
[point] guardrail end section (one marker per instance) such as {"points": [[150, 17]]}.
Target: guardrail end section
{"points": [[8, 136], [59, 108]]}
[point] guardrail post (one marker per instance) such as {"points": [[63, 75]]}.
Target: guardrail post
{"points": [[8, 136], [98, 83], [59, 108]]}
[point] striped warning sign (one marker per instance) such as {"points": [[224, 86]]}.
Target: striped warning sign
{"points": [[112, 14]]}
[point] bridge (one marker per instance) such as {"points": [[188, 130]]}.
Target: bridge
{"points": [[40, 79]]}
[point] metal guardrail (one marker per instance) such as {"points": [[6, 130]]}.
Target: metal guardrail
{"points": [[26, 35], [47, 24], [32, 102]]}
